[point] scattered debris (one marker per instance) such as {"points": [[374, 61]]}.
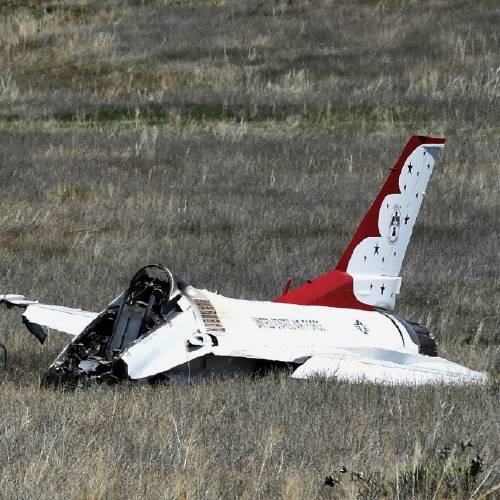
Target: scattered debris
{"points": [[331, 481], [450, 470], [476, 466], [3, 361]]}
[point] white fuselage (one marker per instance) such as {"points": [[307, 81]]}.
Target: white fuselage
{"points": [[289, 332], [213, 324]]}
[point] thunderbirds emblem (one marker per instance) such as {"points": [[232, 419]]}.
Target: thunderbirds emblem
{"points": [[394, 225]]}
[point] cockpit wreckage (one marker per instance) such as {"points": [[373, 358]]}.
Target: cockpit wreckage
{"points": [[338, 325]]}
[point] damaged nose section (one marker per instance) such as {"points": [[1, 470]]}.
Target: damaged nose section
{"points": [[94, 356]]}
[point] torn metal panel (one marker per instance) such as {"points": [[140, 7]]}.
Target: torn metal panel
{"points": [[35, 329], [63, 319], [36, 316], [151, 300]]}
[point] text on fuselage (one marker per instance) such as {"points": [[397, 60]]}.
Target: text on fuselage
{"points": [[289, 324]]}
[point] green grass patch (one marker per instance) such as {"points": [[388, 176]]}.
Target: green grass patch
{"points": [[65, 193], [198, 228], [190, 114], [62, 11]]}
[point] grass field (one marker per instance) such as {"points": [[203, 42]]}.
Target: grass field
{"points": [[239, 143]]}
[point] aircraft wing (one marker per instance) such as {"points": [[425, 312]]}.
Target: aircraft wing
{"points": [[36, 315], [386, 367]]}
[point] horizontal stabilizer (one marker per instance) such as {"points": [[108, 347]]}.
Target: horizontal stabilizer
{"points": [[387, 367]]}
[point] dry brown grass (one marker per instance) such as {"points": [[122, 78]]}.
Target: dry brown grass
{"points": [[239, 143]]}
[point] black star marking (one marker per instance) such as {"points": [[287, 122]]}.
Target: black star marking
{"points": [[383, 259], [416, 196], [424, 153], [418, 173], [410, 166], [376, 249], [382, 288], [364, 258], [371, 286], [428, 165], [406, 220], [404, 187], [394, 254], [387, 205]]}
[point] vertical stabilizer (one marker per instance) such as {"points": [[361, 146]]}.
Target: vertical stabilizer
{"points": [[367, 274]]}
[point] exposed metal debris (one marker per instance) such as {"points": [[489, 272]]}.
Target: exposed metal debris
{"points": [[147, 303]]}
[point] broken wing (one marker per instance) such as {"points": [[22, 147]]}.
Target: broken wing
{"points": [[36, 315]]}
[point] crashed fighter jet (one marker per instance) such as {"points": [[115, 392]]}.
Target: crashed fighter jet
{"points": [[338, 325]]}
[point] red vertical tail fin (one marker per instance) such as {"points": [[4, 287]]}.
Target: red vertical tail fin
{"points": [[367, 274]]}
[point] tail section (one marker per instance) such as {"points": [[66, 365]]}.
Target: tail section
{"points": [[367, 274]]}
